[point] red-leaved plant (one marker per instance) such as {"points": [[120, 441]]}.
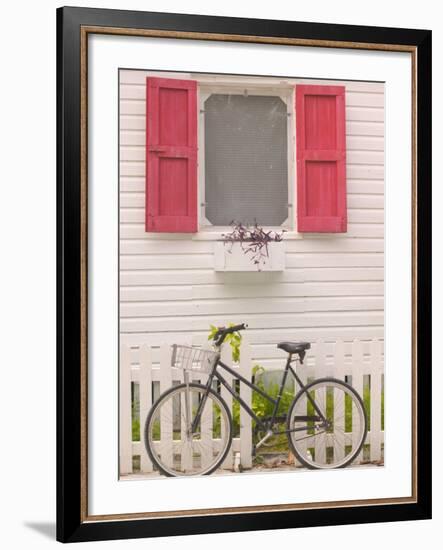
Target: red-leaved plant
{"points": [[253, 240]]}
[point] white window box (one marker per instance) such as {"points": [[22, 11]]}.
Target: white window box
{"points": [[231, 257]]}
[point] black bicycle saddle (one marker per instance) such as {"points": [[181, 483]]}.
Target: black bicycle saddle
{"points": [[294, 347]]}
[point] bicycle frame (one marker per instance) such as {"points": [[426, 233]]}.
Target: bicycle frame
{"points": [[215, 374]]}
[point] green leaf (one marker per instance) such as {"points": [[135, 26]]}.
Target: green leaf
{"points": [[212, 332]]}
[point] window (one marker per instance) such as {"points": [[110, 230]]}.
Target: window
{"points": [[245, 159], [232, 156]]}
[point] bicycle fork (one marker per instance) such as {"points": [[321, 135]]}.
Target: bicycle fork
{"points": [[191, 425]]}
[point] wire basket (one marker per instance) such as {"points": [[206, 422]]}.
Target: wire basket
{"points": [[193, 359]]}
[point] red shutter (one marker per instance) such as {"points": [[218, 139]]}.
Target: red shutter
{"points": [[321, 159], [171, 155]]}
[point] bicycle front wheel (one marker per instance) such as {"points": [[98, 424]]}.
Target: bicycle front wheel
{"points": [[173, 447], [327, 424]]}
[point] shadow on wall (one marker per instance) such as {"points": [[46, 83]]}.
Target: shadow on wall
{"points": [[46, 529]]}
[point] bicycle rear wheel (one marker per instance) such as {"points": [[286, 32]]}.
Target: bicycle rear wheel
{"points": [[168, 438], [335, 442]]}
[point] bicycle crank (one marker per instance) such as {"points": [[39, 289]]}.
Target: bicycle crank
{"points": [[263, 440]]}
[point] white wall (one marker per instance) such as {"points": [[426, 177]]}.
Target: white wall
{"points": [[27, 460], [332, 286]]}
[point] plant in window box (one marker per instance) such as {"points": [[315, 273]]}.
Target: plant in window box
{"points": [[260, 248]]}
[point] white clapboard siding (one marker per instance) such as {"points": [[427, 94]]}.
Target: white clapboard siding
{"points": [[332, 286], [357, 228], [344, 360], [363, 186], [314, 243], [132, 184], [314, 274], [262, 291], [251, 305], [364, 99], [185, 261], [359, 129], [296, 320], [356, 259], [295, 273], [132, 122], [364, 227], [364, 114], [256, 335]]}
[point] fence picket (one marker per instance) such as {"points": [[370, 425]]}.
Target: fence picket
{"points": [[302, 372], [376, 373], [339, 406], [166, 412], [320, 371], [207, 440], [125, 412], [357, 384], [145, 392], [321, 367], [246, 394], [226, 358], [137, 365]]}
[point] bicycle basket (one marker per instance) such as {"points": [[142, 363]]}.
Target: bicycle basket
{"points": [[194, 359]]}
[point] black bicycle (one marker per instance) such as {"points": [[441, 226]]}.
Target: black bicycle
{"points": [[189, 429]]}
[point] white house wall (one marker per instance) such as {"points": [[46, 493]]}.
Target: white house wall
{"points": [[333, 284]]}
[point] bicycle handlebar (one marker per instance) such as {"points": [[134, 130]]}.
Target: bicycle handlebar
{"points": [[223, 331]]}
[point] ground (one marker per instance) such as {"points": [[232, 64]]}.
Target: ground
{"points": [[271, 461]]}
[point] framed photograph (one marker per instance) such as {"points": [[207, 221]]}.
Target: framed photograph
{"points": [[244, 274]]}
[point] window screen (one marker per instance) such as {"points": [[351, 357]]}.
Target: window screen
{"points": [[246, 163]]}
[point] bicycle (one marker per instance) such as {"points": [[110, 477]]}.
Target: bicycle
{"points": [[188, 430]]}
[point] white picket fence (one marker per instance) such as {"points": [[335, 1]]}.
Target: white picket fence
{"points": [[360, 363]]}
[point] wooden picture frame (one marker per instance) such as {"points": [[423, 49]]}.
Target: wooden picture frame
{"points": [[74, 25]]}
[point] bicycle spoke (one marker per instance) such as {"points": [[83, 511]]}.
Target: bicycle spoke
{"points": [[172, 445], [311, 436], [331, 446]]}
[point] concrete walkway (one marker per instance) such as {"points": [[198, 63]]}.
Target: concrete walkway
{"points": [[258, 469]]}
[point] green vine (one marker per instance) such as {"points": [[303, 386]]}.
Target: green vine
{"points": [[234, 340]]}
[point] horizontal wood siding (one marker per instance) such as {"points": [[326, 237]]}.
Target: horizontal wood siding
{"points": [[333, 284]]}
